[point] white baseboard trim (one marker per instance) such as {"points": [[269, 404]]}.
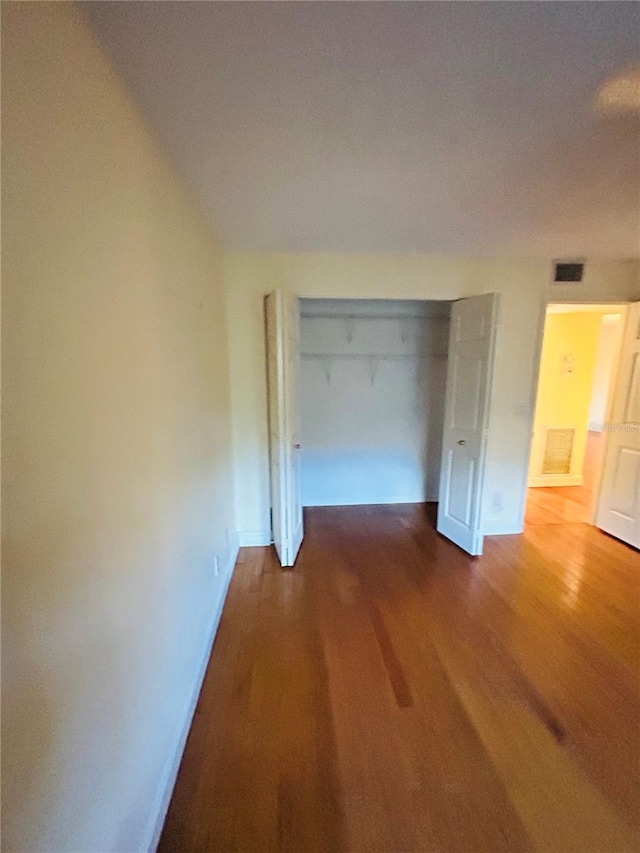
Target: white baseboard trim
{"points": [[501, 528], [251, 538], [554, 480], [379, 501], [170, 772]]}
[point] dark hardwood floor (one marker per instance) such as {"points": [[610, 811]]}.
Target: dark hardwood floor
{"points": [[392, 694]]}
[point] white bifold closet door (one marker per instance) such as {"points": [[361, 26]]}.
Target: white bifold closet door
{"points": [[466, 414], [619, 505], [470, 367], [283, 374]]}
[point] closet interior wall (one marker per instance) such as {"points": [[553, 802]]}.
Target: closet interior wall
{"points": [[373, 375]]}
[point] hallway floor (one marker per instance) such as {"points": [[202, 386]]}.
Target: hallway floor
{"points": [[392, 694], [569, 504], [559, 505]]}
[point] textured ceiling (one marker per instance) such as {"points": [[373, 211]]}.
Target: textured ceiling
{"points": [[461, 128]]}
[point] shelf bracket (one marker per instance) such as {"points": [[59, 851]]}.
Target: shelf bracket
{"points": [[327, 366], [374, 364], [350, 321]]}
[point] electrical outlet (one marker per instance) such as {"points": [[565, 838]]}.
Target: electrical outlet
{"points": [[216, 565], [497, 504]]}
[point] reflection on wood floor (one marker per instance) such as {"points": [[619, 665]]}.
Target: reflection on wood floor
{"points": [[392, 694]]}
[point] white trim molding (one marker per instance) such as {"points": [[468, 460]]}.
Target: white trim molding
{"points": [[253, 538], [501, 528], [553, 480]]}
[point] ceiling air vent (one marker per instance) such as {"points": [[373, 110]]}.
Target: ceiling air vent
{"points": [[570, 271]]}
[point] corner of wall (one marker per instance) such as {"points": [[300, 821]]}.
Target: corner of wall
{"points": [[254, 538]]}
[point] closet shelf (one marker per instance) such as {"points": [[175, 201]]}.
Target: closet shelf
{"points": [[414, 317], [405, 322], [369, 356], [328, 360]]}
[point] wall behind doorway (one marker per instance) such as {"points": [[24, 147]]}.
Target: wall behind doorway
{"points": [[606, 359], [565, 389]]}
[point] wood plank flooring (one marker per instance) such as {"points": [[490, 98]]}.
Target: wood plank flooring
{"points": [[559, 505], [573, 504], [392, 694]]}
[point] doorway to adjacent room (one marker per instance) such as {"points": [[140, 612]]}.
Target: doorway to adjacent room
{"points": [[578, 364]]}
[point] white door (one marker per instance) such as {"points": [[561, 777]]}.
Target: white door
{"points": [[464, 442], [619, 506], [283, 368]]}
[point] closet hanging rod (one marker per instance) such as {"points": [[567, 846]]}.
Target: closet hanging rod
{"points": [[374, 317], [369, 356]]}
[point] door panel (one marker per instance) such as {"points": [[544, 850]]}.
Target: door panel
{"points": [[466, 390], [619, 505], [469, 373], [632, 411], [625, 477], [292, 399], [276, 422], [461, 491], [283, 376]]}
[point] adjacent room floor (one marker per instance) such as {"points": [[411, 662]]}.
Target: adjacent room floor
{"points": [[392, 694], [573, 504]]}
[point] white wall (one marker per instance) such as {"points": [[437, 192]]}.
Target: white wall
{"points": [[117, 481], [565, 389], [372, 427], [606, 359], [524, 287]]}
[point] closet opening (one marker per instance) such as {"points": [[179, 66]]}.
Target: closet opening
{"points": [[372, 394]]}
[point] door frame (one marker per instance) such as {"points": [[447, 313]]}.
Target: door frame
{"points": [[563, 299]]}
